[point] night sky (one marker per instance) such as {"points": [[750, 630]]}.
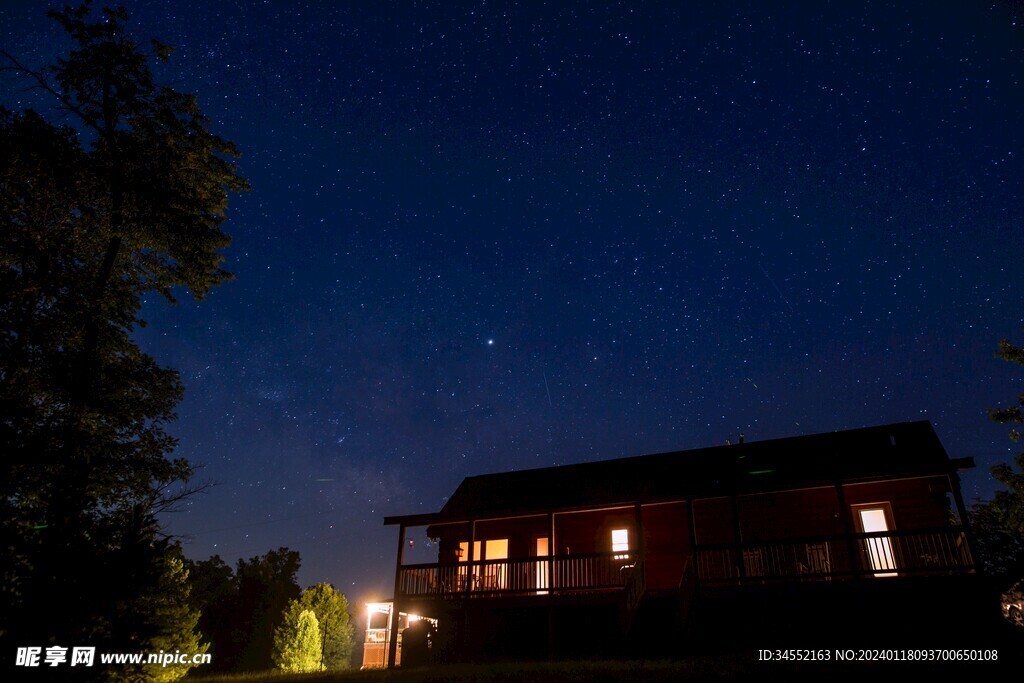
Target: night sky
{"points": [[502, 235]]}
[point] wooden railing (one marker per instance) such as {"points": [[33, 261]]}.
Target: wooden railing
{"points": [[527, 576], [820, 558], [879, 554]]}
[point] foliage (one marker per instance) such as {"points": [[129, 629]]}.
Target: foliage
{"points": [[297, 644], [241, 609], [126, 201], [999, 549], [331, 609], [265, 587], [213, 594], [178, 619], [999, 523]]}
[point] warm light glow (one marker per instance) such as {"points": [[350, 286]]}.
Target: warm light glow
{"points": [[542, 567], [496, 549], [377, 642], [463, 551], [620, 543], [375, 629], [879, 549], [490, 576]]}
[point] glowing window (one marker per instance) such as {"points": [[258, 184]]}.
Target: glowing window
{"points": [[879, 548], [464, 551], [620, 543]]}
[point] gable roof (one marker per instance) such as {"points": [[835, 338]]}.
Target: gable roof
{"points": [[907, 449]]}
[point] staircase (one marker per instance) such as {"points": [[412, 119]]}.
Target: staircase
{"points": [[632, 596], [654, 623]]}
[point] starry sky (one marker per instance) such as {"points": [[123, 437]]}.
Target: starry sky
{"points": [[502, 235]]}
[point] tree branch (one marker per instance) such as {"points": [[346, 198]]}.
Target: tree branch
{"points": [[41, 83]]}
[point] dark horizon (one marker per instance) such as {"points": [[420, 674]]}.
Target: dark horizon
{"points": [[496, 237]]}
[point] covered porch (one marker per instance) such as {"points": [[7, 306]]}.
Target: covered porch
{"points": [[845, 531]]}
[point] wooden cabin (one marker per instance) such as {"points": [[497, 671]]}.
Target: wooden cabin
{"points": [[562, 560]]}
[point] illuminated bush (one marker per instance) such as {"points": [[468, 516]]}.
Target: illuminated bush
{"points": [[297, 643]]}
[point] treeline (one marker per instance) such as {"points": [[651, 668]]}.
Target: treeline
{"points": [[250, 615]]}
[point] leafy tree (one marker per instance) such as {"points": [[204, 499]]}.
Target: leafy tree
{"points": [[1000, 550], [331, 609], [1010, 503], [213, 594], [127, 200], [999, 523], [178, 619], [241, 609], [297, 644], [265, 587]]}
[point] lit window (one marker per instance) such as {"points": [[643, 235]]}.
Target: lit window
{"points": [[620, 543], [874, 521]]}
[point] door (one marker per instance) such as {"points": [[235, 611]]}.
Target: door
{"points": [[464, 573], [542, 566], [495, 574], [879, 550]]}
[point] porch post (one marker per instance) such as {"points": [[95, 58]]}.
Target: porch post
{"points": [[739, 536], [469, 561], [961, 510], [552, 617], [551, 553], [641, 547], [393, 634], [851, 545], [693, 535]]}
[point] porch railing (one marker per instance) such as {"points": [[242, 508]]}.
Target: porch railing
{"points": [[533, 575], [820, 558], [879, 554]]}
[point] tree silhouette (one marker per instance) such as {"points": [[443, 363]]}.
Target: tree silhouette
{"points": [[128, 199], [1011, 501], [240, 610], [999, 523]]}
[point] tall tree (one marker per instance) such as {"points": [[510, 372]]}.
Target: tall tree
{"points": [[999, 523], [265, 587], [176, 618], [127, 200], [213, 593], [1011, 501], [331, 609]]}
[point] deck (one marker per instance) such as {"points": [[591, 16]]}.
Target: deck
{"points": [[821, 558]]}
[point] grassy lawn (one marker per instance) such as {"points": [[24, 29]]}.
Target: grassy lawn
{"points": [[711, 669], [695, 669]]}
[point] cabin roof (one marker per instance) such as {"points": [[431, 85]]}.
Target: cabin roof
{"points": [[894, 451]]}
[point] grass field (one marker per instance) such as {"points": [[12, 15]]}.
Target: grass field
{"points": [[696, 669], [710, 669]]}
